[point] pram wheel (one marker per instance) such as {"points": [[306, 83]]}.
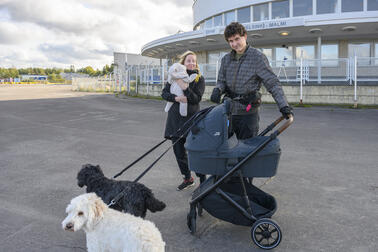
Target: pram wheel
{"points": [[266, 233], [191, 219]]}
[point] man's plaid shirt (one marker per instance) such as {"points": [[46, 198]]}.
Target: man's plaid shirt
{"points": [[254, 69]]}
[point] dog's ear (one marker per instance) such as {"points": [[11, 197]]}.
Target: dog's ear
{"points": [[99, 207], [96, 209]]}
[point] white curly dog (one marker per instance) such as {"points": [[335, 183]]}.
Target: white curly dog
{"points": [[175, 72], [111, 230]]}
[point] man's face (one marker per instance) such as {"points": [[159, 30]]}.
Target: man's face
{"points": [[238, 43]]}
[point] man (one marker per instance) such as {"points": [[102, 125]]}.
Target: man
{"points": [[240, 76]]}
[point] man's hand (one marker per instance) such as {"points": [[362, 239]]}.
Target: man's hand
{"points": [[183, 85], [181, 98], [286, 112], [216, 95]]}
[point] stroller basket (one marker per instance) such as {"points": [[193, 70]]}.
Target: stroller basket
{"points": [[263, 205]]}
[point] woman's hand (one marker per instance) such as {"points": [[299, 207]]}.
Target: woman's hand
{"points": [[183, 85], [181, 98]]}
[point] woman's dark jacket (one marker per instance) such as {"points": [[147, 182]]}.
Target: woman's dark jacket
{"points": [[193, 94]]}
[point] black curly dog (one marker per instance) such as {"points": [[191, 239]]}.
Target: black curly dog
{"points": [[137, 197]]}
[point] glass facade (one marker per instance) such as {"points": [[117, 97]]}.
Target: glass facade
{"points": [[308, 52], [283, 53], [330, 55], [360, 50], [229, 17], [352, 5], [326, 6], [280, 9], [218, 21], [214, 56], [208, 23], [330, 51], [244, 15], [302, 7], [372, 5], [267, 52], [261, 12]]}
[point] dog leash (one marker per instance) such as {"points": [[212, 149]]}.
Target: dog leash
{"points": [[197, 116], [136, 161], [202, 112]]}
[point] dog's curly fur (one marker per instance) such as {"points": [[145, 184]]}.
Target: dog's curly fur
{"points": [[137, 197], [110, 230]]}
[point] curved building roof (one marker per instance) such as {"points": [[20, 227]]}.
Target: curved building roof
{"points": [[342, 24]]}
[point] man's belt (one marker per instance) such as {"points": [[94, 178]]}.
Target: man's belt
{"points": [[251, 98]]}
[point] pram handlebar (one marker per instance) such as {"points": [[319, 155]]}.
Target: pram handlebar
{"points": [[286, 125], [275, 123]]}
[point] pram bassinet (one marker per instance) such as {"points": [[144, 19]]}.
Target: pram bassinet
{"points": [[210, 151]]}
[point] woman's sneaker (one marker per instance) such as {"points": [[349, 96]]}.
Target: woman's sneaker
{"points": [[186, 184]]}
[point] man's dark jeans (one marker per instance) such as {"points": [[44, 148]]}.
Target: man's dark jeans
{"points": [[246, 126]]}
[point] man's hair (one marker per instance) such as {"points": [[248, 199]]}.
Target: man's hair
{"points": [[233, 29]]}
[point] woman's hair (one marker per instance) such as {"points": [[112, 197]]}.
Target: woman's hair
{"points": [[183, 57]]}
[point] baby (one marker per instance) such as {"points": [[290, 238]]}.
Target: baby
{"points": [[175, 72]]}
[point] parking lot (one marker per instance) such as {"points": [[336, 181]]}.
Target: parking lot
{"points": [[326, 186]]}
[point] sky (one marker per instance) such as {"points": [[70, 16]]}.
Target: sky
{"points": [[60, 33]]}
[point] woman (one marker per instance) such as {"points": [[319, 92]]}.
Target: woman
{"points": [[192, 95]]}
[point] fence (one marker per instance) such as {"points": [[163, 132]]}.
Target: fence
{"points": [[351, 73]]}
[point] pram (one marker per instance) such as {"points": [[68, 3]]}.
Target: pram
{"points": [[229, 194]]}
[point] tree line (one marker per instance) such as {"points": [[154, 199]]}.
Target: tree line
{"points": [[53, 73]]}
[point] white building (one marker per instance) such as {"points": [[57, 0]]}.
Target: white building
{"points": [[323, 35]]}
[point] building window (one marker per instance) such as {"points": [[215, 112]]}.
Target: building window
{"points": [[284, 56], [302, 7], [267, 52], [208, 23], [352, 5], [361, 50], [372, 5], [330, 55], [218, 20], [308, 52], [280, 9], [244, 15], [326, 6], [260, 12], [214, 56], [229, 17], [330, 51]]}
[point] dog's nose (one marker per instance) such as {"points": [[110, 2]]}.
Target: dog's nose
{"points": [[69, 226]]}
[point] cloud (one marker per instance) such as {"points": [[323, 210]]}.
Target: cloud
{"points": [[82, 32]]}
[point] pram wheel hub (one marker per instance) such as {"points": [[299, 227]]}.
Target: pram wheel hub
{"points": [[266, 233]]}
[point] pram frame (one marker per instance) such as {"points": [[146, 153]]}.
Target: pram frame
{"points": [[248, 213]]}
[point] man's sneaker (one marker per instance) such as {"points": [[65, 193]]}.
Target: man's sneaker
{"points": [[186, 184]]}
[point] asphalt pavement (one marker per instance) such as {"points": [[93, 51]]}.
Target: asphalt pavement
{"points": [[326, 186]]}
